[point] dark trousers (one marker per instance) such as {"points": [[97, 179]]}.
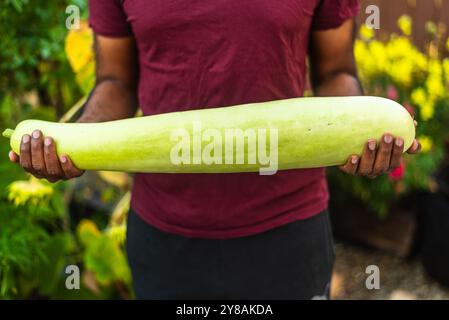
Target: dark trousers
{"points": [[293, 261]]}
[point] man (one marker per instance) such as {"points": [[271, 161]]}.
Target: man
{"points": [[225, 236]]}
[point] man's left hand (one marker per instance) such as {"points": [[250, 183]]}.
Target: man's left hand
{"points": [[379, 159]]}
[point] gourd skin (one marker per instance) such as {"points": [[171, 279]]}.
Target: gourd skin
{"points": [[312, 132]]}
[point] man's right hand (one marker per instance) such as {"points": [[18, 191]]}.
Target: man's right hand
{"points": [[114, 97], [38, 157]]}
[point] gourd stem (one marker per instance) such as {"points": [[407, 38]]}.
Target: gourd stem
{"points": [[8, 133]]}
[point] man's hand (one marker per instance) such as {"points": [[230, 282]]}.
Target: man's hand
{"points": [[334, 73], [38, 157], [114, 97], [379, 159]]}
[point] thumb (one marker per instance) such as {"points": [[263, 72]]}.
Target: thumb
{"points": [[13, 156]]}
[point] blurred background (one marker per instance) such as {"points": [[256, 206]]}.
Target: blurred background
{"points": [[399, 222]]}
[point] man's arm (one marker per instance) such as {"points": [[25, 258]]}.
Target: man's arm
{"points": [[115, 93], [333, 69], [334, 73], [114, 97]]}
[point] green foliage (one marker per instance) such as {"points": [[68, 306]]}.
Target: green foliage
{"points": [[103, 254], [108, 262], [37, 81], [398, 70], [9, 172], [32, 54], [36, 245], [24, 240], [48, 271]]}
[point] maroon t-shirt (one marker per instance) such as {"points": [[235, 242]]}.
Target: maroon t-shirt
{"points": [[197, 54]]}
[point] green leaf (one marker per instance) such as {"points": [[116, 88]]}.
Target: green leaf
{"points": [[50, 272], [107, 261]]}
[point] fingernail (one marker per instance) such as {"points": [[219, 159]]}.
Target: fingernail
{"points": [[372, 145], [63, 159], [26, 138], [388, 138], [399, 142], [416, 145], [36, 134], [47, 142], [354, 160]]}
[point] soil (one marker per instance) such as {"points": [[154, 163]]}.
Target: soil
{"points": [[400, 279]]}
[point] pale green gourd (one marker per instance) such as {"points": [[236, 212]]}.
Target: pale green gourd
{"points": [[311, 132]]}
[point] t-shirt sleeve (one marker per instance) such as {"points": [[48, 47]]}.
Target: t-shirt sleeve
{"points": [[107, 18], [331, 14]]}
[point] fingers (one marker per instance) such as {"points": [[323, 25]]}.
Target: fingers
{"points": [[415, 148], [25, 154], [368, 158], [54, 171], [350, 167], [373, 163], [396, 155], [13, 157], [68, 168], [383, 156], [37, 154]]}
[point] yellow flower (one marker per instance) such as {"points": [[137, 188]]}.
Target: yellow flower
{"points": [[434, 83], [419, 96], [419, 59], [86, 78], [88, 226], [366, 33], [426, 105], [78, 47], [401, 72], [402, 60], [378, 58], [117, 233], [29, 192], [435, 87], [426, 143], [87, 231], [446, 69], [405, 24], [360, 52], [435, 68], [365, 60], [427, 110]]}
